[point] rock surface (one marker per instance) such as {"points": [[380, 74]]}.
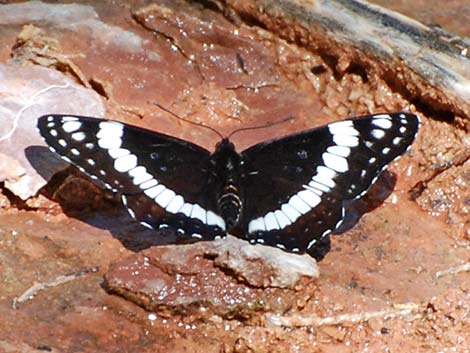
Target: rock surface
{"points": [[27, 93], [229, 278], [184, 56]]}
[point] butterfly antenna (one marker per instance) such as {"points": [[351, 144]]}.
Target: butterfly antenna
{"points": [[261, 126], [188, 121]]}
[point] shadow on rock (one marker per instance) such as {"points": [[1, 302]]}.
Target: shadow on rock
{"points": [[375, 196], [86, 200]]}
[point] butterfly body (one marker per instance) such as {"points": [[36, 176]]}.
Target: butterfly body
{"points": [[227, 175], [286, 192]]}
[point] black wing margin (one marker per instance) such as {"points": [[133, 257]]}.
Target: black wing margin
{"points": [[163, 180], [295, 186]]}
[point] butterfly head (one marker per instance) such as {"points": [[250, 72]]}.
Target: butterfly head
{"points": [[225, 159], [224, 145]]}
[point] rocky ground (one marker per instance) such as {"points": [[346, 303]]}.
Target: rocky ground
{"points": [[77, 274]]}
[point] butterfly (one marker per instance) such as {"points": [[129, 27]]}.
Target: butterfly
{"points": [[287, 192]]}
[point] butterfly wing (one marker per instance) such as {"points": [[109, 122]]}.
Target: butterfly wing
{"points": [[295, 186], [163, 180]]}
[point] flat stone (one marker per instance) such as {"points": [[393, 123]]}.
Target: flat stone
{"points": [[262, 266], [229, 278]]}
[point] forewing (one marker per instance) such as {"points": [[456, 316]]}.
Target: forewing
{"points": [[295, 186], [163, 180]]}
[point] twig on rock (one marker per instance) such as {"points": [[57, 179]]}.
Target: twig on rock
{"points": [[37, 287], [454, 270], [408, 311]]}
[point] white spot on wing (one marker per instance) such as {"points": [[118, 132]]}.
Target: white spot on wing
{"points": [[345, 140], [109, 135], [175, 204], [325, 176], [148, 184], [335, 162], [164, 198], [68, 118], [62, 142], [154, 191], [323, 188], [147, 225], [131, 212], [282, 219], [343, 128], [53, 132], [186, 209], [256, 225], [118, 152], [108, 143], [383, 116], [309, 198], [140, 175], [311, 243], [378, 134], [199, 213], [215, 220], [126, 163], [78, 136], [385, 150], [71, 126], [382, 123], [314, 190], [290, 212], [271, 222], [342, 151], [110, 129], [296, 202]]}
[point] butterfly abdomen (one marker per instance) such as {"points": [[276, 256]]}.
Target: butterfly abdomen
{"points": [[230, 205]]}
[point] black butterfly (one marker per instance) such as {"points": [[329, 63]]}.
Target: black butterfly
{"points": [[286, 192]]}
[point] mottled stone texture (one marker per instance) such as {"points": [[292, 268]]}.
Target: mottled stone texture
{"points": [[215, 66]]}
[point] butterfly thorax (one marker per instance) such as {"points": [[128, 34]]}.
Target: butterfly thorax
{"points": [[226, 163]]}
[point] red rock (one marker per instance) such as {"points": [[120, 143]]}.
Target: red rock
{"points": [[228, 278]]}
